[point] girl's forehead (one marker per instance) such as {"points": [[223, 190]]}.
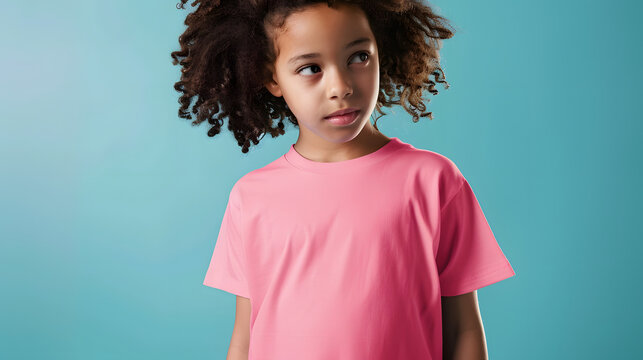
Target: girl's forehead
{"points": [[321, 25]]}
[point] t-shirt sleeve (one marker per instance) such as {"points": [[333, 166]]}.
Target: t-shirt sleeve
{"points": [[468, 255], [227, 269]]}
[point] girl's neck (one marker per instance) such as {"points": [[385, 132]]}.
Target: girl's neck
{"points": [[367, 141]]}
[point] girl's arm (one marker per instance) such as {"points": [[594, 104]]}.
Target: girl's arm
{"points": [[462, 331], [240, 340]]}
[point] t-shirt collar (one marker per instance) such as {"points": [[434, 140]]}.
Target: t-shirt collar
{"points": [[297, 160]]}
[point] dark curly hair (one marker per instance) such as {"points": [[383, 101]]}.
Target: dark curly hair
{"points": [[227, 45]]}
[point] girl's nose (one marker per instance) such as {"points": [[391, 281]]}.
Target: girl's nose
{"points": [[338, 85]]}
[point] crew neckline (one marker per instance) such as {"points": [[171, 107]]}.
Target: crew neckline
{"points": [[297, 160]]}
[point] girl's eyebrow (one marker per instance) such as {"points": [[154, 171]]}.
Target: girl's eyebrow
{"points": [[314, 55]]}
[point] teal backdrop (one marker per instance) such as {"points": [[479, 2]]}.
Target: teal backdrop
{"points": [[110, 203]]}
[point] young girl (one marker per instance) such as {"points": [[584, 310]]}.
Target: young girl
{"points": [[352, 245]]}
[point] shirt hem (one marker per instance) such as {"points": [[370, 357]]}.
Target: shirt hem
{"points": [[492, 276], [232, 289]]}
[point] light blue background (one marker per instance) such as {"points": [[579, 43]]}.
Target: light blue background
{"points": [[110, 203]]}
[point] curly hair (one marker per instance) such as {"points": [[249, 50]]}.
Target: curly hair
{"points": [[227, 45]]}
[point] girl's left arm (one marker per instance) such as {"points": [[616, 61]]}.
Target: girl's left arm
{"points": [[462, 330]]}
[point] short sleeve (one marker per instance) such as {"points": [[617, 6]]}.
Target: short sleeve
{"points": [[468, 255], [227, 269]]}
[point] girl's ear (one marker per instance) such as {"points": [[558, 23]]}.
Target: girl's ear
{"points": [[274, 89], [272, 85]]}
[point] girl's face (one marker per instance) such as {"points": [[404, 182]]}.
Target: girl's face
{"points": [[340, 71]]}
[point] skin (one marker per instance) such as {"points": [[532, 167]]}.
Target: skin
{"points": [[463, 335], [240, 340], [340, 78]]}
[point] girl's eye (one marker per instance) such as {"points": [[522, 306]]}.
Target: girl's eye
{"points": [[315, 66], [304, 68], [364, 53]]}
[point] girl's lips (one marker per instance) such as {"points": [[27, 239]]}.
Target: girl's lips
{"points": [[345, 119], [342, 112]]}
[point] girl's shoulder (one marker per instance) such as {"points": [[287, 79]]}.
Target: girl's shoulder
{"points": [[430, 161], [434, 172]]}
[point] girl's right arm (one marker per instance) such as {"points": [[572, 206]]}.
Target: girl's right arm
{"points": [[240, 340]]}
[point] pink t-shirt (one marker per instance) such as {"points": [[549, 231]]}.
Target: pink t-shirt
{"points": [[347, 260]]}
